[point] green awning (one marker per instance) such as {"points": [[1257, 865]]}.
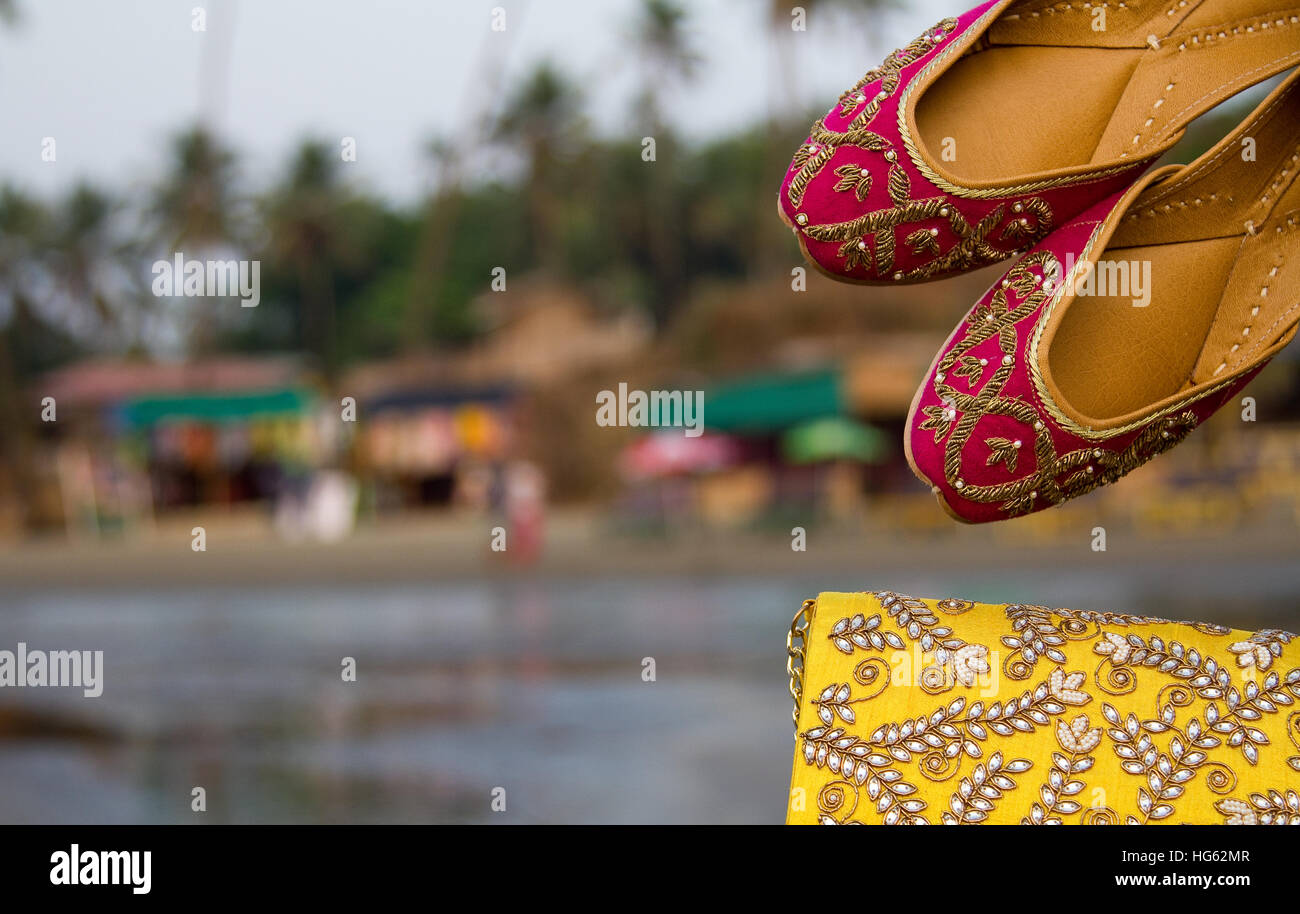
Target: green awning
{"points": [[217, 407], [772, 403]]}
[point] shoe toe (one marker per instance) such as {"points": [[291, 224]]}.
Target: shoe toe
{"points": [[978, 432], [984, 432], [868, 204]]}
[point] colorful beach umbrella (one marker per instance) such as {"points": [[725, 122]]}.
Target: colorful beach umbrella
{"points": [[670, 453]]}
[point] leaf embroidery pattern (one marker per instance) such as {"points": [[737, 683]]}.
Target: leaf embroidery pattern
{"points": [[1056, 477], [1207, 723], [937, 744], [1031, 218], [978, 794]]}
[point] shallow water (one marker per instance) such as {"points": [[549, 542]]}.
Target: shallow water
{"points": [[531, 685]]}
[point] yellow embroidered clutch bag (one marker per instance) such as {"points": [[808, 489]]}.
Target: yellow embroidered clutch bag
{"points": [[911, 711]]}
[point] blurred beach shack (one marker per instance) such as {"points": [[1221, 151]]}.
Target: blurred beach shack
{"points": [[454, 429], [131, 440], [802, 416], [123, 440], [814, 441]]}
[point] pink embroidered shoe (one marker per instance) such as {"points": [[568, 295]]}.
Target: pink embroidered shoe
{"points": [[1121, 331], [982, 135]]}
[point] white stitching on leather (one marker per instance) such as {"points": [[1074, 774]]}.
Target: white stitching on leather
{"points": [[1293, 56], [1210, 163]]}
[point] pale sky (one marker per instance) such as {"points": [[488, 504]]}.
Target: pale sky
{"points": [[110, 81]]}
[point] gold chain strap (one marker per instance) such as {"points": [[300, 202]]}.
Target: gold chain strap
{"points": [[796, 645]]}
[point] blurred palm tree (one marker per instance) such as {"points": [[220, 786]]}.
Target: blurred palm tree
{"points": [[442, 209], [441, 212], [667, 58], [195, 203], [542, 118], [309, 237], [67, 279], [665, 52], [857, 12], [23, 223], [196, 206], [94, 270]]}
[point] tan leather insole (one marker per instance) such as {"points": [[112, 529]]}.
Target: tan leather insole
{"points": [[1046, 91], [1110, 357], [1003, 118], [1223, 241]]}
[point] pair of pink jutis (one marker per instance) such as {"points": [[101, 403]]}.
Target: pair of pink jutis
{"points": [[1140, 301]]}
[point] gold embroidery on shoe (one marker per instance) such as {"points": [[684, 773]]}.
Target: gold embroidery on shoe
{"points": [[1056, 477], [973, 246], [853, 178]]}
